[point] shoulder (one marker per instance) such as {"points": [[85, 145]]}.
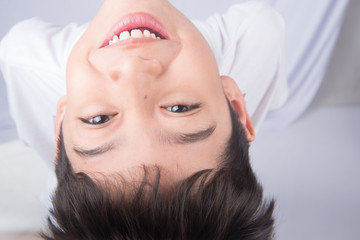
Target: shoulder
{"points": [[34, 41], [24, 43], [250, 24], [244, 14], [254, 16]]}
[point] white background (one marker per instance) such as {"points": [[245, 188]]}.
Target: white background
{"points": [[311, 168]]}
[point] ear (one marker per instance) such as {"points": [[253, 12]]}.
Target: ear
{"points": [[60, 113], [238, 103]]}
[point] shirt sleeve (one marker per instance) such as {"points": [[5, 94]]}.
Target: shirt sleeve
{"points": [[33, 57], [248, 44]]}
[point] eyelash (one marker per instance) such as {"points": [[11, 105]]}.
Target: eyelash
{"points": [[100, 118], [179, 108]]}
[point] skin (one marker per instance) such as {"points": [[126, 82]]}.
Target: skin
{"points": [[138, 84]]}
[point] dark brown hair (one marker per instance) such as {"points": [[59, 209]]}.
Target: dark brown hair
{"points": [[221, 203]]}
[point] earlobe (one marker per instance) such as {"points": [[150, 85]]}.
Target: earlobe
{"points": [[238, 103], [60, 113]]}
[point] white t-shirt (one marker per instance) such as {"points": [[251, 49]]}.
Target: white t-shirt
{"points": [[247, 41]]}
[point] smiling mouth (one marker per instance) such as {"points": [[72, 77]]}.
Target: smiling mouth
{"points": [[137, 34], [135, 27]]}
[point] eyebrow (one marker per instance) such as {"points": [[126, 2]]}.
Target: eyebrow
{"points": [[95, 151], [166, 138], [187, 138]]}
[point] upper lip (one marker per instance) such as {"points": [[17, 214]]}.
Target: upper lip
{"points": [[136, 21]]}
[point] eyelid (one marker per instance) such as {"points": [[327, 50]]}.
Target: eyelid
{"points": [[193, 108], [87, 119], [190, 105]]}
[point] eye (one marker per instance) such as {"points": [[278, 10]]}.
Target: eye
{"points": [[98, 120], [181, 108]]}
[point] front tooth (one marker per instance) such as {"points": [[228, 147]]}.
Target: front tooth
{"points": [[115, 38], [136, 33], [153, 35], [147, 33], [124, 35]]}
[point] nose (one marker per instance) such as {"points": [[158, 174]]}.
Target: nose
{"points": [[133, 61], [133, 75]]}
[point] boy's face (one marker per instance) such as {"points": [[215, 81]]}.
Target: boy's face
{"points": [[143, 101]]}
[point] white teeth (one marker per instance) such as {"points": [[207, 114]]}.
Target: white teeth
{"points": [[136, 33], [147, 33], [115, 38], [124, 35]]}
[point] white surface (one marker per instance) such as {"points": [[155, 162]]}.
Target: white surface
{"points": [[22, 176], [312, 169]]}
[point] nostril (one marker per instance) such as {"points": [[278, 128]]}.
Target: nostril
{"points": [[135, 67], [114, 75], [153, 66]]}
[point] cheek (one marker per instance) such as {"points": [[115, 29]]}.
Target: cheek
{"points": [[78, 66], [81, 78], [198, 69], [199, 49], [197, 61]]}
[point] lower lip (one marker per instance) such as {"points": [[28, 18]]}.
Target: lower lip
{"points": [[134, 21]]}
